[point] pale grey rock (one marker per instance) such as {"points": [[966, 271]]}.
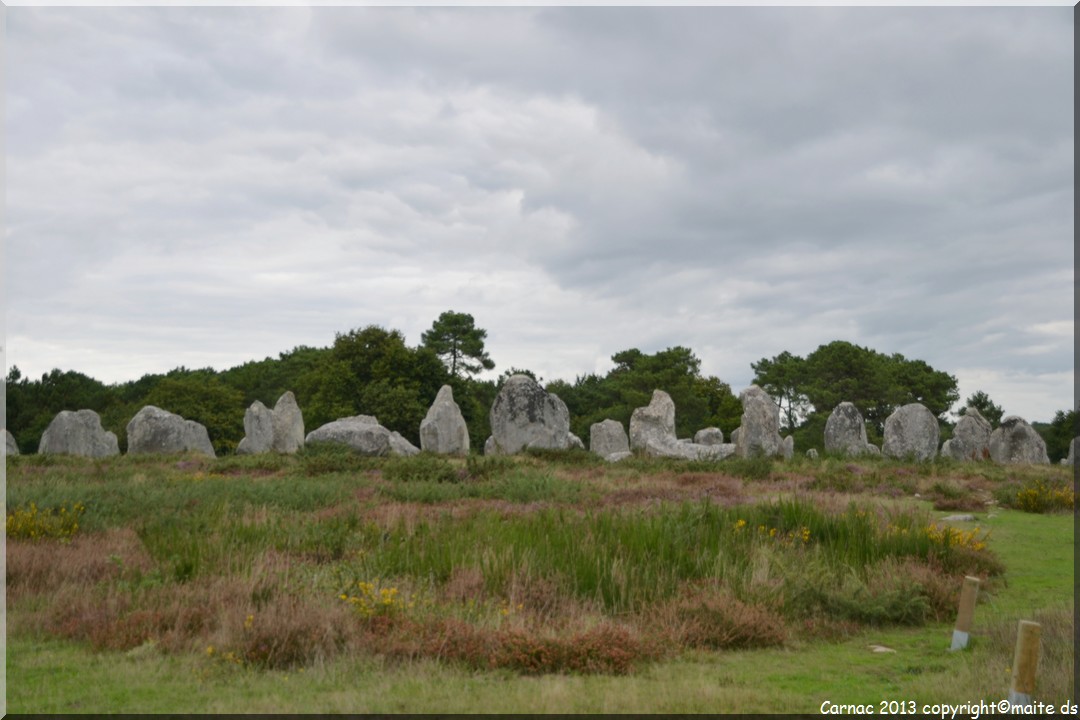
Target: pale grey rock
{"points": [[812, 454], [759, 433], [617, 456], [1070, 460], [489, 446], [1017, 443], [709, 436], [156, 431], [78, 433], [443, 430], [608, 437], [652, 428], [400, 446], [362, 433], [258, 430], [575, 442], [787, 447], [288, 424], [735, 435], [845, 431], [911, 433], [525, 416], [873, 450], [12, 447], [971, 438], [958, 518]]}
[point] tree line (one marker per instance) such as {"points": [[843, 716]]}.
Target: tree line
{"points": [[373, 371]]}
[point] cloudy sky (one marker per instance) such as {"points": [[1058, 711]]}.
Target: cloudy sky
{"points": [[207, 186]]}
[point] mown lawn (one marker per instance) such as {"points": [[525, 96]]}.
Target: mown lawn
{"points": [[546, 583]]}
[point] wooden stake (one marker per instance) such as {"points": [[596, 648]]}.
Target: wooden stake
{"points": [[968, 595], [1025, 662]]}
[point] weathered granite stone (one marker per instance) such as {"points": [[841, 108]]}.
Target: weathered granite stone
{"points": [[78, 433], [845, 431], [1070, 460], [1017, 443], [288, 424], [157, 431], [735, 435], [709, 436], [971, 438], [787, 447], [652, 428], [759, 433], [443, 429], [575, 442], [873, 449], [400, 446], [525, 416], [608, 437], [617, 456], [12, 447], [489, 446], [812, 454], [911, 433], [362, 433], [258, 430]]}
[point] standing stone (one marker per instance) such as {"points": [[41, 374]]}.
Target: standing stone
{"points": [[709, 436], [787, 447], [288, 424], [845, 431], [971, 438], [735, 435], [759, 433], [911, 433], [78, 433], [443, 429], [608, 437], [1071, 460], [157, 431], [12, 447], [489, 446], [362, 433], [258, 430], [652, 428], [525, 416], [1017, 443]]}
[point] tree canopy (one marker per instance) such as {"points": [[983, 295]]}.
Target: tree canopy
{"points": [[455, 338]]}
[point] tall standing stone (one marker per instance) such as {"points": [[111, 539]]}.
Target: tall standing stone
{"points": [[652, 428], [608, 437], [11, 447], [78, 433], [1017, 443], [911, 433], [845, 431], [971, 438], [288, 424], [759, 433], [258, 430], [1070, 460], [154, 430], [525, 416], [443, 429]]}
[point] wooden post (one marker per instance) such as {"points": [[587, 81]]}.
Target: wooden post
{"points": [[1025, 662], [968, 594]]}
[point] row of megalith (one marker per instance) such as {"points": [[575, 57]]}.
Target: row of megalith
{"points": [[525, 416]]}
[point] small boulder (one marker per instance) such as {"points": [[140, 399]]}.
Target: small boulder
{"points": [[911, 433], [787, 447], [288, 424], [845, 431], [709, 436], [812, 454], [362, 433], [608, 437], [575, 442], [1017, 443], [971, 438], [489, 446], [443, 430], [11, 447], [156, 431], [759, 433], [524, 416], [617, 456], [258, 430], [400, 446], [78, 433]]}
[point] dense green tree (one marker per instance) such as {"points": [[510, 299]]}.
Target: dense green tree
{"points": [[201, 396], [784, 377], [455, 338], [1059, 433], [986, 407]]}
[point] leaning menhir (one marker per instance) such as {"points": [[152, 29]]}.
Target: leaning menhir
{"points": [[1016, 442], [759, 433], [78, 433], [911, 433], [10, 446], [524, 416], [154, 430], [971, 438], [443, 429]]}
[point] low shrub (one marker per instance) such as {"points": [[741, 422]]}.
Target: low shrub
{"points": [[1038, 495], [424, 467], [34, 523]]}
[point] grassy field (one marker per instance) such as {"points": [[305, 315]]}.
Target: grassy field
{"points": [[550, 582]]}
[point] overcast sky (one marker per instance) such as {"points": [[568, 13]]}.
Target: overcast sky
{"points": [[208, 186]]}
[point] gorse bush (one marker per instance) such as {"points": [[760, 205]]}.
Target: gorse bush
{"points": [[1038, 495], [34, 523]]}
